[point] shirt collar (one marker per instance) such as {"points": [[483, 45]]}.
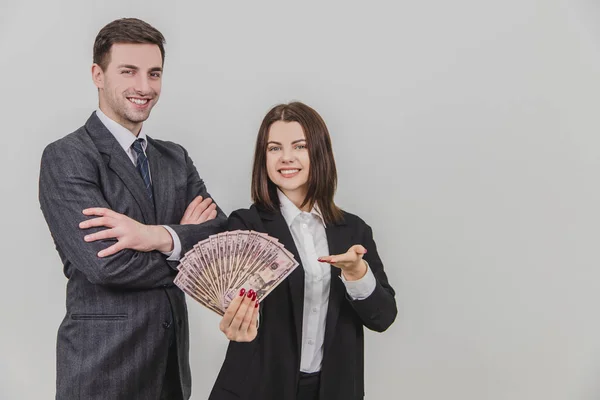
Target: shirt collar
{"points": [[122, 134], [290, 211]]}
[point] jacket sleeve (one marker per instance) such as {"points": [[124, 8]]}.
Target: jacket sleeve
{"points": [[378, 311], [191, 234], [68, 184]]}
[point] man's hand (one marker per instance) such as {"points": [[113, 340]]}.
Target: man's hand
{"points": [[239, 321], [129, 233], [199, 211], [351, 262]]}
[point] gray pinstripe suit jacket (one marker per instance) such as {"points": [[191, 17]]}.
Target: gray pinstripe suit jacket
{"points": [[113, 341]]}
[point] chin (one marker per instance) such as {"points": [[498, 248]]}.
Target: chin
{"points": [[289, 187], [134, 117]]}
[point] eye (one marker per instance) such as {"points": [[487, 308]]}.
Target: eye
{"points": [[127, 72], [274, 148], [155, 74], [300, 147]]}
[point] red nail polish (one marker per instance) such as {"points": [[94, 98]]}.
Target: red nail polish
{"points": [[256, 305], [319, 259], [254, 296], [242, 291], [365, 251], [250, 293]]}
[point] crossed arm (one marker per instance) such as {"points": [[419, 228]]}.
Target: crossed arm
{"points": [[69, 184], [134, 235]]}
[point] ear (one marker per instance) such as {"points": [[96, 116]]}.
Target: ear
{"points": [[98, 76]]}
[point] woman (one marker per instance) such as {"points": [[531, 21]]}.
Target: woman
{"points": [[309, 342]]}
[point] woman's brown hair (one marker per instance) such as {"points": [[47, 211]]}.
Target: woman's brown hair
{"points": [[322, 179]]}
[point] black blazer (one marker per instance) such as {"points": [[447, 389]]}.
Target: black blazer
{"points": [[268, 367]]}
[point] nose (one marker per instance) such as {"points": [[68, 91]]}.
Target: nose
{"points": [[287, 155], [142, 84]]}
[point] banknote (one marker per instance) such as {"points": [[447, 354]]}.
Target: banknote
{"points": [[215, 269]]}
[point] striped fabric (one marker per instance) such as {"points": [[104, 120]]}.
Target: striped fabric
{"points": [[142, 165]]}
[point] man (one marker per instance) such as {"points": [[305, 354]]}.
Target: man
{"points": [[122, 208]]}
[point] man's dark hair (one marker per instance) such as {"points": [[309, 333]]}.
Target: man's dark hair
{"points": [[125, 30]]}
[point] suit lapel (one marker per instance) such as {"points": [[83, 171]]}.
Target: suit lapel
{"points": [[162, 183], [276, 226], [121, 164], [338, 240]]}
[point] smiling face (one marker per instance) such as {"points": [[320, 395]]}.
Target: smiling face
{"points": [[288, 162], [293, 153], [130, 84]]}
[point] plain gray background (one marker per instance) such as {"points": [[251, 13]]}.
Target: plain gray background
{"points": [[466, 135]]}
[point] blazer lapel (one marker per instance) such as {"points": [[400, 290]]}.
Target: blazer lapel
{"points": [[121, 164], [276, 226], [162, 183], [338, 240]]}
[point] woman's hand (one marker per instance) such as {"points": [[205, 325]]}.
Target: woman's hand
{"points": [[239, 321], [351, 262]]}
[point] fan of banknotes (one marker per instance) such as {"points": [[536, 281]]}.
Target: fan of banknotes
{"points": [[215, 270]]}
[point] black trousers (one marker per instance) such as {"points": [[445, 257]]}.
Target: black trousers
{"points": [[171, 389], [308, 386]]}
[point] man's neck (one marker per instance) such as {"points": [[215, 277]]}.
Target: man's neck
{"points": [[133, 127]]}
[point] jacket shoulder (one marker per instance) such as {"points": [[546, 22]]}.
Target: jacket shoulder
{"points": [[77, 142], [246, 214], [168, 147], [352, 219]]}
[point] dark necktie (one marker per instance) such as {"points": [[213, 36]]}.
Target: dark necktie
{"points": [[142, 166]]}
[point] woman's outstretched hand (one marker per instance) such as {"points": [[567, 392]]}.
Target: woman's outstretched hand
{"points": [[239, 322], [351, 262]]}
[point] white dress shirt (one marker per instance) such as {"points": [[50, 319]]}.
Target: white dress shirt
{"points": [[308, 232], [126, 139]]}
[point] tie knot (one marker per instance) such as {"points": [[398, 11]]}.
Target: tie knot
{"points": [[137, 146]]}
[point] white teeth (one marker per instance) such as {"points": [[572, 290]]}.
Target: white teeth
{"points": [[138, 101], [289, 171]]}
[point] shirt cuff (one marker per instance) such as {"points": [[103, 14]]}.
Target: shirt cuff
{"points": [[362, 288], [175, 254]]}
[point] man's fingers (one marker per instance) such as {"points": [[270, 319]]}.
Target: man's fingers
{"points": [[115, 248], [190, 208], [199, 211], [203, 205], [212, 215], [101, 221], [206, 214], [105, 234], [99, 211]]}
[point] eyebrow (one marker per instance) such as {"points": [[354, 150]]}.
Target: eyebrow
{"points": [[129, 66], [294, 142]]}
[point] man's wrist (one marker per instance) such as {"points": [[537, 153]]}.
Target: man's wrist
{"points": [[162, 239]]}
